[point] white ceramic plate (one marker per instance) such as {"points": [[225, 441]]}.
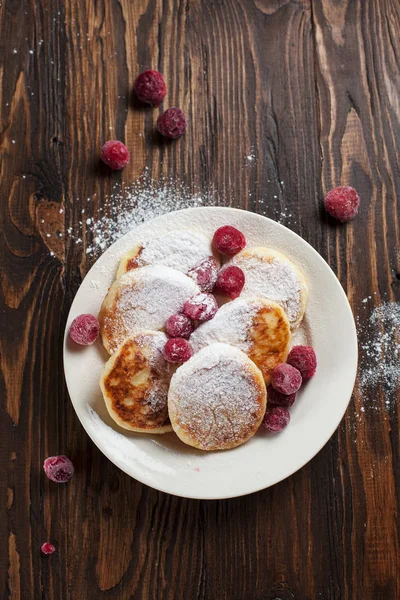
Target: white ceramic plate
{"points": [[163, 461]]}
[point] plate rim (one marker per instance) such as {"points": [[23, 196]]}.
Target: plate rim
{"points": [[257, 488]]}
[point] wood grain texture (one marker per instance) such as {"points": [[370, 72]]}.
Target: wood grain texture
{"points": [[311, 89]]}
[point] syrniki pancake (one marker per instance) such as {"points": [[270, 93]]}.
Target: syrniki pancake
{"points": [[269, 274], [135, 383], [258, 327], [217, 399], [181, 250], [142, 299]]}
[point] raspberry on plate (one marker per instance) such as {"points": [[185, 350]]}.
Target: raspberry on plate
{"points": [[276, 398], [84, 330], [58, 468], [342, 203], [201, 307], [179, 326], [150, 87], [276, 419], [286, 379], [115, 154], [230, 281], [48, 548], [172, 123], [205, 274], [229, 240], [303, 359], [177, 350]]}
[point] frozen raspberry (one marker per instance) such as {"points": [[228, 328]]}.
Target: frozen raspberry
{"points": [[342, 203], [229, 240], [172, 123], [179, 326], [286, 379], [201, 307], [230, 282], [205, 274], [276, 419], [304, 360], [150, 87], [115, 154], [276, 398], [84, 330], [177, 350], [48, 548], [58, 468]]}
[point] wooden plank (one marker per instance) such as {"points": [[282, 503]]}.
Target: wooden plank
{"points": [[285, 99]]}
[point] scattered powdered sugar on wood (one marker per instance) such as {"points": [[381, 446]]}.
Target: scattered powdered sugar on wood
{"points": [[133, 204], [215, 399], [379, 365], [181, 250]]}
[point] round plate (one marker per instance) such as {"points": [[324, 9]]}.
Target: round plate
{"points": [[163, 461]]}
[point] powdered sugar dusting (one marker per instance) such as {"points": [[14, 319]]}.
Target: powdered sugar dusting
{"points": [[230, 325], [129, 206], [143, 299], [214, 398], [272, 277], [181, 250], [379, 365]]}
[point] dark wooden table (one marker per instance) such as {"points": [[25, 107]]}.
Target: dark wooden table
{"points": [[310, 90]]}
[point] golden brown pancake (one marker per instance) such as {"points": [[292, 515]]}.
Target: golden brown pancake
{"points": [[142, 299], [256, 326], [135, 383], [217, 399], [270, 275], [181, 250]]}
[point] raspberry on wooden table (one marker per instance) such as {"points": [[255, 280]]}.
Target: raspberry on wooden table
{"points": [[229, 240], [303, 359], [342, 203], [205, 274], [276, 419], [177, 350], [179, 326], [150, 87], [48, 548], [286, 379], [115, 155], [84, 330], [230, 282], [58, 468], [275, 398], [202, 307], [172, 123]]}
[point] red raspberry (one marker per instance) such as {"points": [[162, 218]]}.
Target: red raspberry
{"points": [[276, 419], [177, 350], [150, 87], [205, 274], [48, 548], [342, 203], [172, 123], [276, 398], [304, 360], [179, 326], [58, 468], [201, 307], [286, 379], [84, 330], [115, 154], [229, 240], [230, 282]]}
